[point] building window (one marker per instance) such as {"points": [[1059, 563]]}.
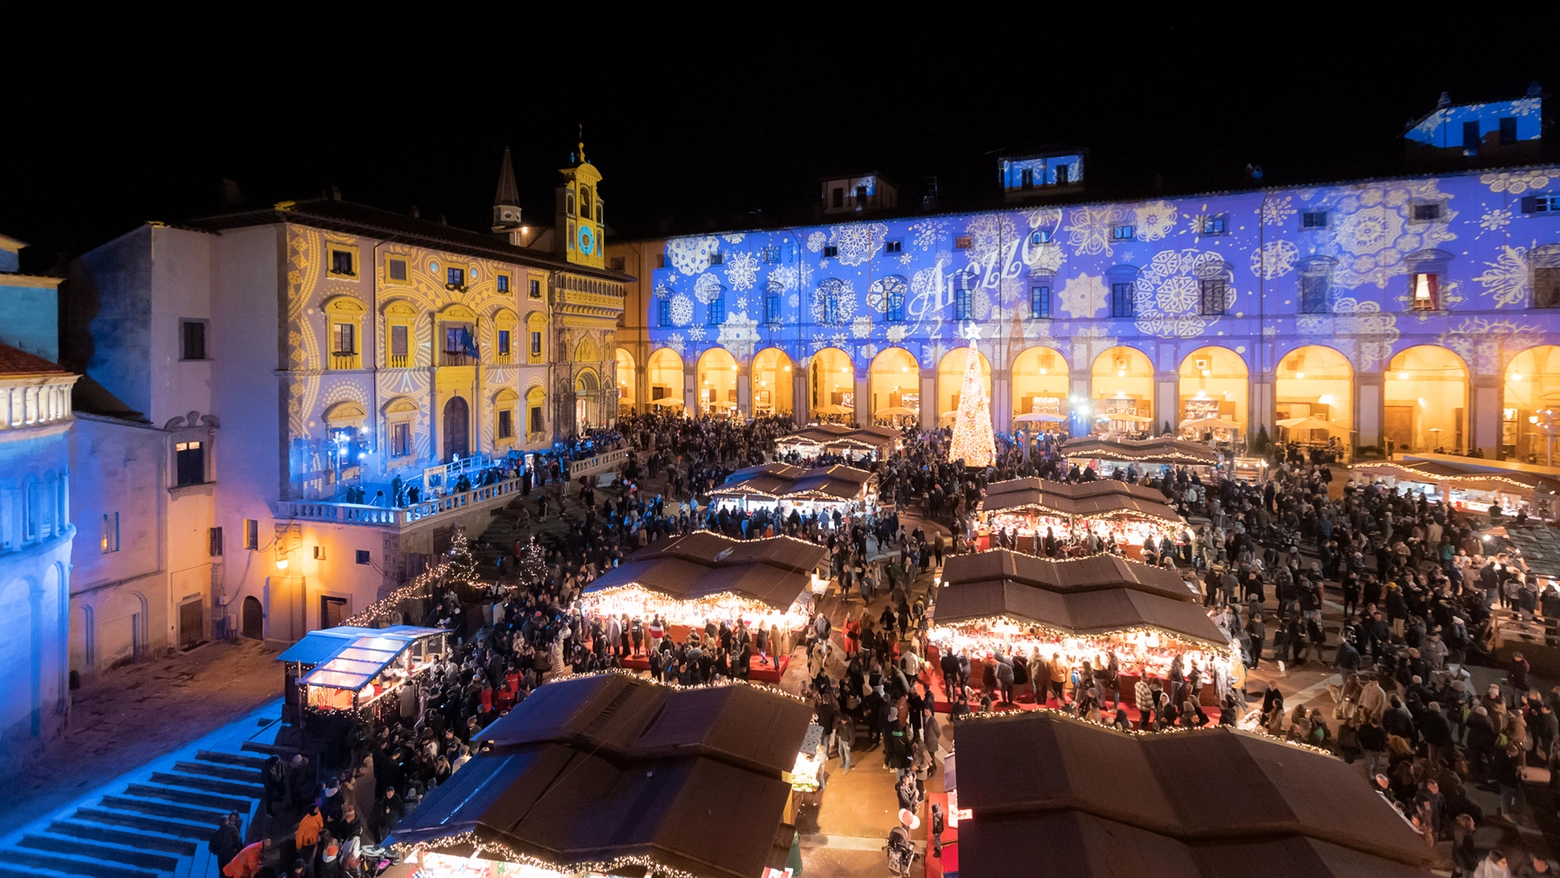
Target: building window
{"points": [[401, 439], [364, 556], [1214, 292], [618, 263], [536, 419], [1426, 213], [717, 311], [396, 269], [770, 255], [506, 427], [1122, 233], [503, 343], [963, 304], [1546, 287], [660, 260], [214, 541], [1313, 293], [1215, 225], [963, 242], [193, 339], [1313, 219], [893, 247], [1424, 297], [1040, 236], [717, 258], [771, 308], [343, 339], [830, 251], [1508, 130], [663, 312], [536, 343], [190, 460], [1122, 302], [503, 283], [455, 278], [535, 291], [1549, 203], [1471, 135], [399, 348], [896, 307], [341, 263], [110, 541], [251, 534], [1061, 175], [838, 196], [1040, 302]]}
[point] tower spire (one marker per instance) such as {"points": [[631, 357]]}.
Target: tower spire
{"points": [[506, 202]]}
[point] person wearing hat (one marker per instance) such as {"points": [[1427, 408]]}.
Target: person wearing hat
{"points": [[226, 842]]}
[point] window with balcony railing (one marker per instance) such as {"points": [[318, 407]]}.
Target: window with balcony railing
{"points": [[400, 347]]}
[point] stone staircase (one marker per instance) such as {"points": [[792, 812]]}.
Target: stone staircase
{"points": [[155, 824]]}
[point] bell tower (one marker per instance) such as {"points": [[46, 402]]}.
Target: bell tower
{"points": [[580, 214], [506, 202]]}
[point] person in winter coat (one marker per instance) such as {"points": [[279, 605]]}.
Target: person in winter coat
{"points": [[226, 842], [1004, 672]]}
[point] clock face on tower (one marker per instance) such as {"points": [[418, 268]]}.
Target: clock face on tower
{"points": [[587, 240]]}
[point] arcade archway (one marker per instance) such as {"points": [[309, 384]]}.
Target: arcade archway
{"points": [[831, 382], [1122, 379], [1426, 400], [1040, 376], [717, 382], [628, 396], [950, 380], [1315, 382], [664, 377], [1214, 386], [772, 393], [1531, 403], [895, 380]]}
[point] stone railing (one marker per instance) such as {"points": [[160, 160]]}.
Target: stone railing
{"points": [[609, 460], [379, 516]]}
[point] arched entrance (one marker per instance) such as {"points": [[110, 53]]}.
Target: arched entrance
{"points": [[895, 382], [1315, 382], [457, 428], [1214, 386], [587, 399], [1040, 385], [1426, 399], [1530, 403], [950, 380], [717, 377], [627, 394], [831, 381], [253, 625], [1122, 379], [665, 378], [772, 385]]}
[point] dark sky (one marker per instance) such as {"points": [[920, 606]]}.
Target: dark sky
{"points": [[695, 119]]}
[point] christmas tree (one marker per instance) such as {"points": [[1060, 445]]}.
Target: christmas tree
{"points": [[460, 566], [533, 565], [973, 441]]}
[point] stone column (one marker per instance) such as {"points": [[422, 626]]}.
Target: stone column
{"points": [[1368, 402], [863, 412], [1167, 401], [1484, 415], [929, 402], [745, 388], [801, 397], [1002, 400], [691, 388], [1260, 405]]}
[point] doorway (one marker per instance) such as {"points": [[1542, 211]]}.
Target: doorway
{"points": [[1398, 426], [254, 619], [192, 624], [457, 428], [333, 611]]}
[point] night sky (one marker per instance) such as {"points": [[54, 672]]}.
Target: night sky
{"points": [[721, 125]]}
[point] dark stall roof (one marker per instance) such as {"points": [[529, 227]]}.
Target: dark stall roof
{"points": [[1084, 499], [780, 481], [1200, 803], [1093, 573], [774, 571], [1156, 451], [1082, 613]]}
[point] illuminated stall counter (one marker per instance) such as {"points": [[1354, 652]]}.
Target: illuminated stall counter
{"points": [[781, 488], [872, 443], [1028, 507], [612, 774], [706, 577], [1042, 793], [1109, 454], [1009, 603], [1470, 487]]}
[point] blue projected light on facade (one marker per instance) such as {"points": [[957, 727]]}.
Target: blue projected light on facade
{"points": [[1470, 125]]}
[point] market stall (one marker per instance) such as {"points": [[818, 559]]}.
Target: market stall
{"points": [[612, 774], [780, 488], [868, 443], [1467, 486], [1007, 603], [1027, 509], [705, 577], [1106, 455]]}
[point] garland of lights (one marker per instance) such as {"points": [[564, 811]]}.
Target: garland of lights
{"points": [[481, 849], [948, 581], [385, 609], [1428, 478], [719, 684], [636, 599], [988, 715], [1170, 639]]}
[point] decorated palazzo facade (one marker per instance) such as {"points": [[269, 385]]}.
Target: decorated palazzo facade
{"points": [[1422, 311]]}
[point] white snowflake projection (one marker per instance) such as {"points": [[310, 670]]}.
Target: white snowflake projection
{"points": [[1275, 259], [882, 289], [1374, 231], [1169, 292], [1047, 257], [837, 340], [988, 234], [1519, 182], [1526, 106], [861, 327], [682, 310], [906, 258], [867, 353], [663, 289], [734, 237], [782, 279], [707, 288], [1092, 226], [1488, 345], [1091, 341], [691, 255], [1505, 280], [823, 263], [897, 333], [794, 300], [739, 334], [858, 242], [1277, 211], [742, 303], [1155, 220], [926, 234], [696, 332], [816, 240], [842, 293], [742, 270], [676, 342], [1084, 296], [1360, 330], [1495, 219]]}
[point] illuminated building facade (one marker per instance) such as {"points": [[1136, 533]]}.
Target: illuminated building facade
{"points": [[1421, 312]]}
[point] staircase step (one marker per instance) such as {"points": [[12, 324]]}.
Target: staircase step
{"points": [[195, 798], [151, 840], [217, 769], [268, 749], [72, 865], [243, 759], [108, 853], [165, 825], [160, 808], [210, 784], [8, 872]]}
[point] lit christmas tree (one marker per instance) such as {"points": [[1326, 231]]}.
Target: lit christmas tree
{"points": [[533, 564], [973, 440]]}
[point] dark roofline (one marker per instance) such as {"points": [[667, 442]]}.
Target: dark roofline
{"points": [[477, 244]]}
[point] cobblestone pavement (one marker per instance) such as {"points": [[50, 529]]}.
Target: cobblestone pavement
{"points": [[139, 712]]}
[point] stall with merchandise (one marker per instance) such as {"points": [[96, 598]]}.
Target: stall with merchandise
{"points": [[1147, 455], [864, 443], [1025, 510], [1468, 486], [780, 488]]}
